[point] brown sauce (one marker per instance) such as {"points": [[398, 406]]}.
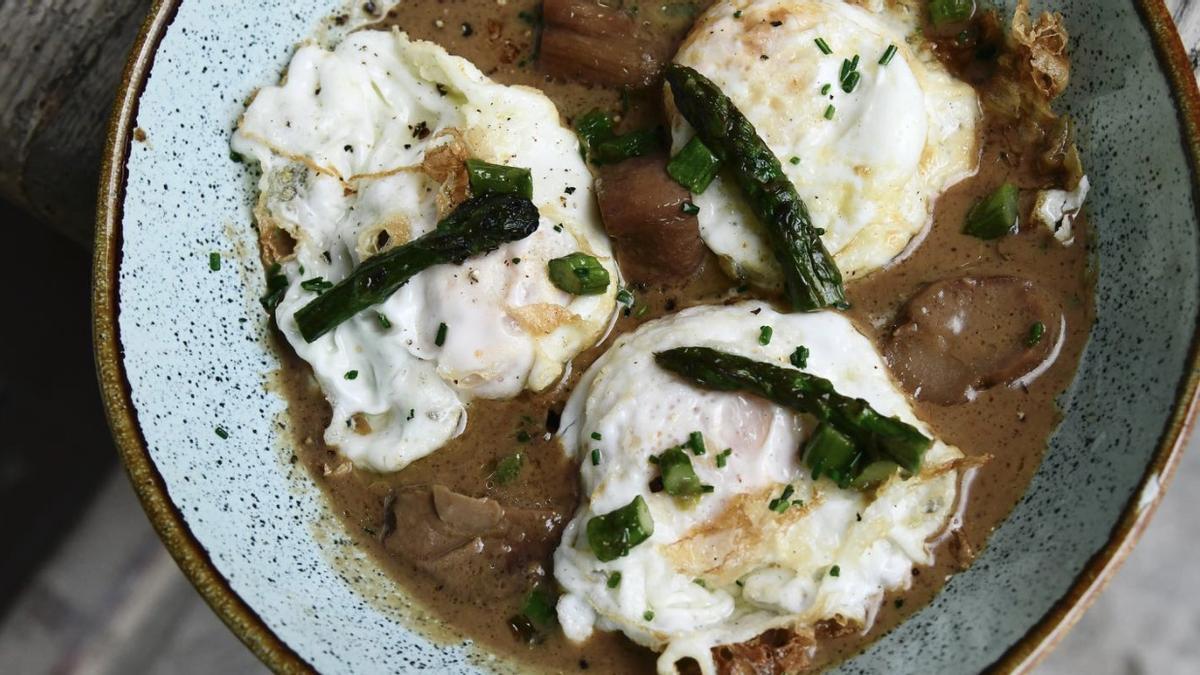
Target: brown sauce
{"points": [[1010, 425]]}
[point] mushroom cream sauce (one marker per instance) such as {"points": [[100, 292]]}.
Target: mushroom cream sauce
{"points": [[1008, 425]]}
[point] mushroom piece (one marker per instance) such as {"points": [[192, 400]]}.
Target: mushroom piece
{"points": [[584, 40]]}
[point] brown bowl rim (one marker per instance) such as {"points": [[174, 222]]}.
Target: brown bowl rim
{"points": [[279, 657]]}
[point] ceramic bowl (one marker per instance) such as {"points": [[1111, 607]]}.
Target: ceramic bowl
{"points": [[182, 350]]}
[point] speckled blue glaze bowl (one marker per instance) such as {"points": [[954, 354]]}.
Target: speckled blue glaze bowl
{"points": [[182, 350]]}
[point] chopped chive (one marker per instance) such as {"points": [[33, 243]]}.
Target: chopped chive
{"points": [[823, 46], [596, 436], [707, 489], [648, 615], [614, 580], [825, 89], [222, 433], [737, 14], [723, 457], [641, 310], [781, 503], [829, 112], [558, 227], [696, 443], [214, 261], [887, 55], [352, 375], [689, 208], [799, 358], [1036, 331], [440, 338], [383, 320], [508, 468], [625, 297], [835, 571], [764, 335], [851, 81], [595, 456], [317, 285], [794, 161]]}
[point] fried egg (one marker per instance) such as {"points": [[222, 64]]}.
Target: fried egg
{"points": [[869, 163], [362, 149], [726, 568]]}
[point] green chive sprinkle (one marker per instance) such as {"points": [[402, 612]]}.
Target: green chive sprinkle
{"points": [[689, 208], [826, 88], [214, 261], [794, 161], [799, 358], [222, 433], [823, 46], [624, 297], [614, 580], [887, 55], [440, 339], [851, 81], [764, 335], [649, 615], [737, 14], [317, 285], [596, 436], [781, 503], [352, 375], [723, 457], [696, 443], [383, 320], [595, 456], [835, 571], [707, 489], [1036, 331], [829, 112]]}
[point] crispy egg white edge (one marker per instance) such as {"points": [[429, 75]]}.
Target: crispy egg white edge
{"points": [[862, 239], [875, 554], [332, 170]]}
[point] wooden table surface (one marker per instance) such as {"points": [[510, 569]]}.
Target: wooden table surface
{"points": [[112, 601]]}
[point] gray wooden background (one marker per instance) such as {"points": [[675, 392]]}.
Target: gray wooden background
{"points": [[111, 600]]}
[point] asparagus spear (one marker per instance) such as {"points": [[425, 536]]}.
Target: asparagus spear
{"points": [[479, 225], [811, 279], [874, 436]]}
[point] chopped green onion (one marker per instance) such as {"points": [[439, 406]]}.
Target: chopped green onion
{"points": [[825, 89], [694, 167], [1036, 331], [823, 46], [384, 323], [595, 456], [950, 11], [851, 81], [678, 476], [625, 297], [799, 358], [614, 579], [794, 161], [887, 55], [723, 457], [831, 453], [612, 535], [440, 338], [829, 112], [214, 261], [764, 335], [539, 607], [781, 503], [222, 433], [648, 615], [706, 489], [352, 375], [689, 208], [578, 274], [277, 285], [835, 571], [995, 215], [596, 436], [695, 441], [487, 178], [737, 14], [508, 468], [317, 285]]}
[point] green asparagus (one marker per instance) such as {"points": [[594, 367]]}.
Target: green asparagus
{"points": [[811, 279], [479, 225], [874, 436]]}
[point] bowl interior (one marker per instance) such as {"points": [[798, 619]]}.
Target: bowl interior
{"points": [[197, 356]]}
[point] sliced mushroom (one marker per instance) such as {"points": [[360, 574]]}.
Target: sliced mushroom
{"points": [[959, 336], [584, 40], [642, 209]]}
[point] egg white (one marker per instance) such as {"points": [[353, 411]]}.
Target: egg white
{"points": [[871, 173], [727, 568], [341, 142]]}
